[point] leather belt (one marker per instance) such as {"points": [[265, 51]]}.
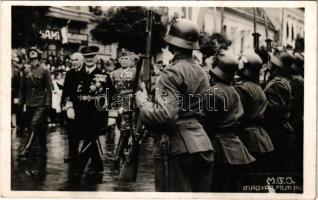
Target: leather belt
{"points": [[87, 97]]}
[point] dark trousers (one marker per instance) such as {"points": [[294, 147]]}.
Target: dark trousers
{"points": [[37, 119], [73, 139], [90, 149], [226, 178], [187, 173]]}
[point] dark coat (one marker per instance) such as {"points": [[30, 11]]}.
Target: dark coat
{"points": [[222, 117], [91, 101], [252, 133], [278, 93], [71, 81]]}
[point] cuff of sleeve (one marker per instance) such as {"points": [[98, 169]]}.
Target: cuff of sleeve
{"points": [[68, 104], [112, 114]]}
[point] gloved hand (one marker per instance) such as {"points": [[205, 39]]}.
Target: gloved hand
{"points": [[16, 101], [70, 113], [141, 97], [111, 121]]}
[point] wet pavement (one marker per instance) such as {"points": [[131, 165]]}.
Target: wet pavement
{"points": [[51, 173]]}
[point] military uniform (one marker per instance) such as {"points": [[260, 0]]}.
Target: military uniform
{"points": [[191, 156], [93, 89], [224, 109], [123, 82], [36, 93], [297, 109], [251, 130], [91, 103], [278, 93]]}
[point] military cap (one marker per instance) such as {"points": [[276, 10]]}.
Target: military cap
{"points": [[298, 64], [89, 50], [184, 34], [225, 66], [34, 52]]}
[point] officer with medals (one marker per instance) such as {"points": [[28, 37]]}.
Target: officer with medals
{"points": [[69, 96], [188, 167], [279, 96], [254, 102], [123, 82], [36, 94], [224, 109], [91, 104]]}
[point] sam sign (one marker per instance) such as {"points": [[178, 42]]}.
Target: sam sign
{"points": [[50, 35]]}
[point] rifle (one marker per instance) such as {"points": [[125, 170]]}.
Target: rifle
{"points": [[130, 167], [255, 34], [268, 48]]}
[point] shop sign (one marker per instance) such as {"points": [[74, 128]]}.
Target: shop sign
{"points": [[77, 38], [50, 35]]}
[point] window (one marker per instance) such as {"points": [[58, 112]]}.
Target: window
{"points": [[287, 31], [292, 33]]}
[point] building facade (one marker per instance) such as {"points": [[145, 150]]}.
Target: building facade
{"points": [[289, 22], [68, 30], [237, 24]]}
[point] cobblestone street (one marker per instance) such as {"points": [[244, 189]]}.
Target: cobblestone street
{"points": [[51, 173]]}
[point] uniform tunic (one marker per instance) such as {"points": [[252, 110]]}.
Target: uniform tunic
{"points": [[297, 117], [224, 108], [251, 131], [92, 99], [176, 112], [278, 93], [123, 83], [36, 93]]}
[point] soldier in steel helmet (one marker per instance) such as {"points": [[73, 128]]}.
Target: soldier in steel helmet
{"points": [[279, 96], [224, 109], [297, 109], [187, 166], [36, 94], [254, 102]]}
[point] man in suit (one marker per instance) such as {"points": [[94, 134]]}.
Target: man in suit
{"points": [[36, 94], [68, 95]]}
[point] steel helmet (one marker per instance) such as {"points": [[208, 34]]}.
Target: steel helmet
{"points": [[298, 64], [225, 66], [252, 65], [287, 58], [183, 33]]}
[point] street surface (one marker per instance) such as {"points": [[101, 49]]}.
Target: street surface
{"points": [[51, 173]]}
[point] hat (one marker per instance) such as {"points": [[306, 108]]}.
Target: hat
{"points": [[31, 53], [89, 50], [225, 66]]}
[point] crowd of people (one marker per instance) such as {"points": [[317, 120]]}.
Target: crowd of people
{"points": [[252, 130]]}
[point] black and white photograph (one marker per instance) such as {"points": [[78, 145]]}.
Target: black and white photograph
{"points": [[159, 98]]}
